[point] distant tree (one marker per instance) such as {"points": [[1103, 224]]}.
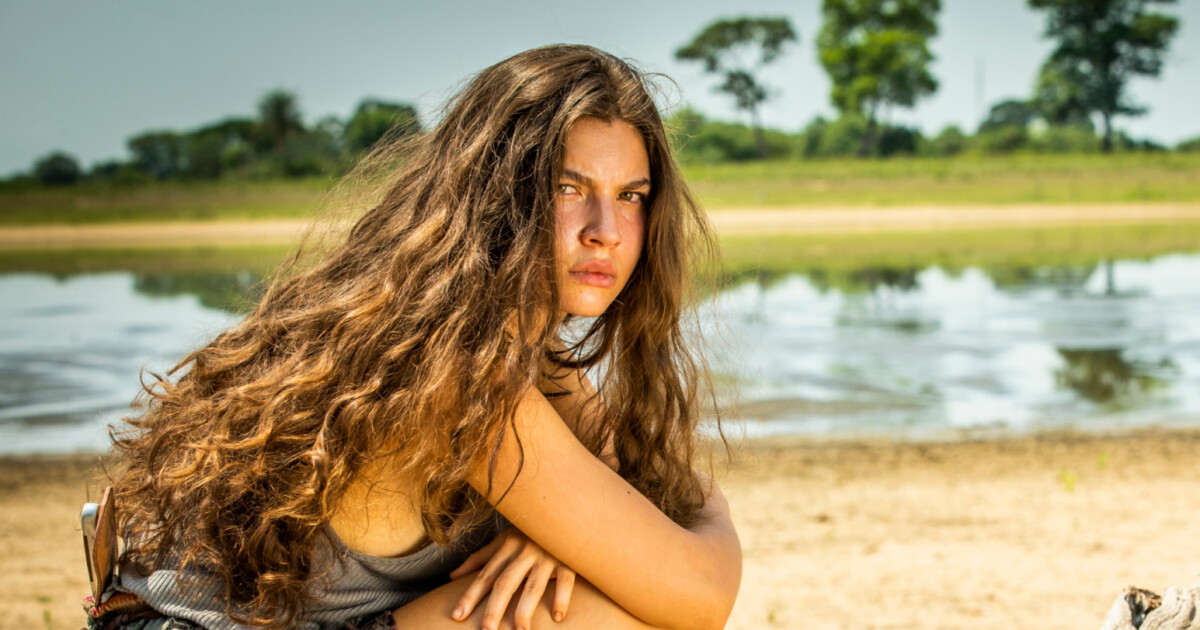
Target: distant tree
{"points": [[1102, 44], [950, 141], [217, 148], [279, 118], [738, 49], [374, 119], [160, 154], [1060, 96], [1191, 145], [57, 169], [1010, 113], [876, 54], [811, 137]]}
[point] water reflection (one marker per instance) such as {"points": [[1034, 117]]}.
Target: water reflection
{"points": [[71, 351], [920, 352], [234, 291], [905, 350], [1105, 375]]}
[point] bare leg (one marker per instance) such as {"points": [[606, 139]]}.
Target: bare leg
{"points": [[589, 609]]}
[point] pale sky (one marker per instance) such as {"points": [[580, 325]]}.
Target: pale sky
{"points": [[83, 76]]}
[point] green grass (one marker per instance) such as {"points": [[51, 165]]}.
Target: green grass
{"points": [[168, 201], [970, 180]]}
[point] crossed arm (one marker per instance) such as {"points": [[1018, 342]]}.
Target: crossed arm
{"points": [[581, 512]]}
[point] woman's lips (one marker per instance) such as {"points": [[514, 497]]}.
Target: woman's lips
{"points": [[595, 279], [595, 273]]}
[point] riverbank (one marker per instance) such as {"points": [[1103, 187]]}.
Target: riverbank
{"points": [[1038, 531], [732, 223]]}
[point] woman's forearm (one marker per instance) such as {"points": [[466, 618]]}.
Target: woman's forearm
{"points": [[573, 505]]}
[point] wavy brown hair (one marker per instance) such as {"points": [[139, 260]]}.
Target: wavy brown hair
{"points": [[400, 341]]}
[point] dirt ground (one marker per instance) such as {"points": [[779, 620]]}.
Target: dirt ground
{"points": [[749, 221], [1040, 531]]}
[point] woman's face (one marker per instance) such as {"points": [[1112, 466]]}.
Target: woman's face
{"points": [[600, 213]]}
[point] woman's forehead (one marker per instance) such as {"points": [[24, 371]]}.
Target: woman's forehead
{"points": [[605, 150]]}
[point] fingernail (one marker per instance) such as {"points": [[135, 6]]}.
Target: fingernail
{"points": [[558, 615], [457, 614]]}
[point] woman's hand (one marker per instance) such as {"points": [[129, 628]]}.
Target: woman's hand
{"points": [[505, 563]]}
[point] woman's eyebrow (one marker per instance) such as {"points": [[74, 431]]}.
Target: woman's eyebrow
{"points": [[587, 181]]}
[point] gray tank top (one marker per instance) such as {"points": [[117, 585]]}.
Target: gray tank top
{"points": [[357, 585]]}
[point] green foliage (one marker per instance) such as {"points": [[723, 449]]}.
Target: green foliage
{"points": [[843, 136], [1059, 95], [876, 54], [724, 46], [279, 118], [1001, 141], [949, 141], [159, 154], [898, 140], [1010, 113], [1191, 145], [1064, 139], [374, 119], [276, 144], [1101, 45], [701, 141], [57, 169]]}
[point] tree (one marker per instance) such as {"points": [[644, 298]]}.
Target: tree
{"points": [[876, 54], [1102, 44], [161, 154], [57, 169], [279, 118], [374, 119], [1010, 113], [729, 48]]}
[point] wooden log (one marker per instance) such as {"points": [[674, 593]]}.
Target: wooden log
{"points": [[1140, 609]]}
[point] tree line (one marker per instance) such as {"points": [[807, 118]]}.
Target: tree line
{"points": [[274, 144], [876, 53]]}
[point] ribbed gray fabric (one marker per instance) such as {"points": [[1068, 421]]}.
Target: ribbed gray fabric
{"points": [[356, 586]]}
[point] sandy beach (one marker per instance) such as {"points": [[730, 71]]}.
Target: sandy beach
{"points": [[1037, 531]]}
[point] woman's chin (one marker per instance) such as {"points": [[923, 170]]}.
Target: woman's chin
{"points": [[585, 308]]}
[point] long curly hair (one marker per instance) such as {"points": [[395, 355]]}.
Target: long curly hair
{"points": [[414, 338]]}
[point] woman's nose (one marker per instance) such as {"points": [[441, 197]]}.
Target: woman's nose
{"points": [[601, 229]]}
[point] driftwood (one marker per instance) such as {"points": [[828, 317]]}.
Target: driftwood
{"points": [[1140, 609]]}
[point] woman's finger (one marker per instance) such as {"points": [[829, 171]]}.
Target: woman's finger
{"points": [[485, 580], [564, 584], [505, 585], [531, 595], [478, 559]]}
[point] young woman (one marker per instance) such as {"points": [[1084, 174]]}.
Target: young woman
{"points": [[335, 459]]}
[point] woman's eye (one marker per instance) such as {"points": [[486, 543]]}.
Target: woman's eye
{"points": [[567, 189], [636, 197]]}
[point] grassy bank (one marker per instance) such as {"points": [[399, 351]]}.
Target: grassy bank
{"points": [[961, 181], [1017, 247]]}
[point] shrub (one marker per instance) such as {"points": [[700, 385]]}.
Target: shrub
{"points": [[57, 169]]}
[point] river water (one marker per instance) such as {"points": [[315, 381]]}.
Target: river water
{"points": [[907, 353]]}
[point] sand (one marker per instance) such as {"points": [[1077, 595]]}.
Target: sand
{"points": [[729, 222], [1036, 531]]}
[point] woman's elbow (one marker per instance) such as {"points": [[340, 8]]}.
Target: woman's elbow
{"points": [[711, 602]]}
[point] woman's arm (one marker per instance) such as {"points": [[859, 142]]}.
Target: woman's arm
{"points": [[587, 516]]}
